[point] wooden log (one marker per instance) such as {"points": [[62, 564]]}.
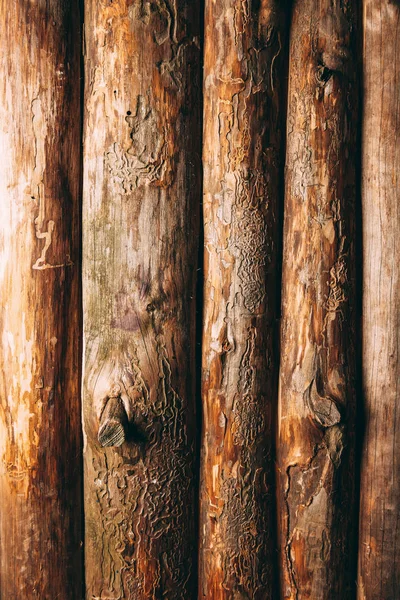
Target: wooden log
{"points": [[317, 380], [244, 103], [142, 192], [379, 561], [40, 476]]}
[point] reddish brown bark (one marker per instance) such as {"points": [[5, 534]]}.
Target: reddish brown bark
{"points": [[317, 388], [40, 477], [242, 157]]}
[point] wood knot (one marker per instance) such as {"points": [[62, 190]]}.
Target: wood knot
{"points": [[334, 40], [113, 420], [226, 346], [323, 74], [323, 408]]}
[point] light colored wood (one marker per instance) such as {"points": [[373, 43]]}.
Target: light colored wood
{"points": [[142, 150], [316, 420], [40, 441], [379, 541], [244, 78]]}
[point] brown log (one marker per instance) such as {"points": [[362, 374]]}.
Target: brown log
{"points": [[244, 103], [379, 559], [317, 381], [142, 187], [40, 478]]}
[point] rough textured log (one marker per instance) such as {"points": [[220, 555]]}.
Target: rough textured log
{"points": [[379, 559], [142, 187], [317, 381], [243, 143], [40, 479]]}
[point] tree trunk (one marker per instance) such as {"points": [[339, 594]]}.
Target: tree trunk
{"points": [[243, 148], [379, 562], [142, 149], [40, 482], [317, 388]]}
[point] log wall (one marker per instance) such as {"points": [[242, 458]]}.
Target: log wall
{"points": [[293, 322]]}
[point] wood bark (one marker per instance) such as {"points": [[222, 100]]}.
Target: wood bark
{"points": [[40, 477], [379, 562], [142, 187], [242, 157], [317, 380]]}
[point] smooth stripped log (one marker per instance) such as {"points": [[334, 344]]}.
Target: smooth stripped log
{"points": [[316, 421], [244, 106], [142, 187], [379, 541], [40, 440]]}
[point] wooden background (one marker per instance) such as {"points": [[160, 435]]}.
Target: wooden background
{"points": [[199, 279]]}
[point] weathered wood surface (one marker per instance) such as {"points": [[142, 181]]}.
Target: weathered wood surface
{"points": [[379, 559], [40, 449], [317, 379], [243, 146], [142, 188]]}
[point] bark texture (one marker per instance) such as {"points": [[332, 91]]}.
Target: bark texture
{"points": [[40, 450], [317, 387], [242, 155], [379, 560], [142, 187]]}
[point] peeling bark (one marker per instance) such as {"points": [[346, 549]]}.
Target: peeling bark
{"points": [[243, 144], [379, 561], [317, 389], [40, 483], [142, 148]]}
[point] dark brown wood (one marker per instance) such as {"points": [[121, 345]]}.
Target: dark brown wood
{"points": [[244, 81], [379, 541], [142, 193], [317, 520], [40, 474]]}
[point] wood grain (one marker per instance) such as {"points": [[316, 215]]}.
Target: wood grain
{"points": [[244, 106], [317, 521], [379, 560], [40, 450], [142, 191]]}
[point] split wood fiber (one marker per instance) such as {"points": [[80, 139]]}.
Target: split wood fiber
{"points": [[244, 76], [142, 193], [316, 421], [40, 478], [379, 559]]}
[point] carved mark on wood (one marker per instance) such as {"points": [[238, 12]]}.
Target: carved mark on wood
{"points": [[145, 162], [41, 263], [173, 67], [338, 282], [248, 423], [249, 237], [162, 17], [37, 185]]}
